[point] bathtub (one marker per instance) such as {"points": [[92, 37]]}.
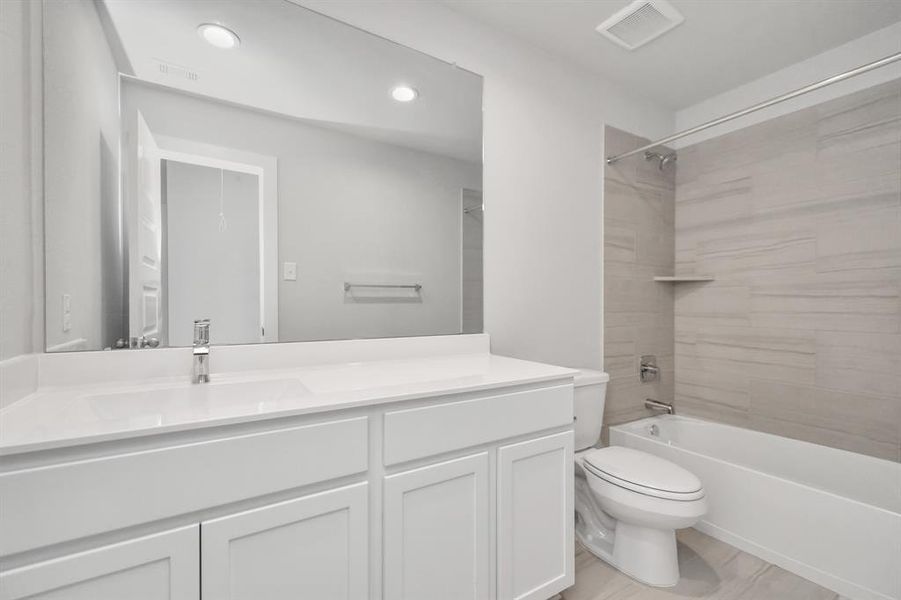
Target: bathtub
{"points": [[830, 516]]}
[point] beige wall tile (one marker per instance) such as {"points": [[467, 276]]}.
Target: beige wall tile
{"points": [[639, 212], [620, 244], [708, 205], [859, 240], [799, 219], [877, 418], [859, 362], [827, 304], [703, 304]]}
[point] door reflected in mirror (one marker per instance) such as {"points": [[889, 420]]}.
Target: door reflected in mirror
{"points": [[253, 163]]}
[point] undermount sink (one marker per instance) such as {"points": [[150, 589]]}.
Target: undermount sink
{"points": [[155, 404]]}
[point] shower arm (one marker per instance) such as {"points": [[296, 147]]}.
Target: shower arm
{"points": [[751, 109]]}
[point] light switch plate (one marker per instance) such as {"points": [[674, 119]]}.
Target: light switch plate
{"points": [[290, 271]]}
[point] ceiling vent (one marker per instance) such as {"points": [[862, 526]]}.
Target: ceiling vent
{"points": [[640, 22]]}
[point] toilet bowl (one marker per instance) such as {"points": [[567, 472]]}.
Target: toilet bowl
{"points": [[629, 503]]}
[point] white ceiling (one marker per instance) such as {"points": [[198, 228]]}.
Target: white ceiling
{"points": [[298, 63], [721, 45]]}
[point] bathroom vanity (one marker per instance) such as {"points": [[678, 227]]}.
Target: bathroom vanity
{"points": [[436, 471]]}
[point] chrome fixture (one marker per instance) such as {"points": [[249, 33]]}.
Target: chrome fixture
{"points": [[412, 286], [648, 371], [134, 343], [659, 406], [145, 342], [662, 159], [751, 109], [201, 351]]}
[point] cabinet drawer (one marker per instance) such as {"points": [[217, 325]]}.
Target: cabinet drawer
{"points": [[49, 505], [428, 430]]}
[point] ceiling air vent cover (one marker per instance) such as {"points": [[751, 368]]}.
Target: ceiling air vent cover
{"points": [[640, 22]]}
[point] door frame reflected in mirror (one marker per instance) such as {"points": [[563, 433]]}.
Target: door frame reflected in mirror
{"points": [[265, 168]]}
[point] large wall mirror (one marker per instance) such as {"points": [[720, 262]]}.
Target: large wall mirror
{"points": [[287, 176]]}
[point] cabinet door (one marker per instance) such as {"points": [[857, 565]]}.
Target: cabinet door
{"points": [[436, 532], [164, 566], [309, 547], [535, 518]]}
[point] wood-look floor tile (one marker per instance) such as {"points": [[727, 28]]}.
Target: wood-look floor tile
{"points": [[710, 569]]}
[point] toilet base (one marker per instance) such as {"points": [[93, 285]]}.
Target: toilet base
{"points": [[644, 554], [648, 555]]}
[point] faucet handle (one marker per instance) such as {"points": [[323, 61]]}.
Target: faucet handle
{"points": [[648, 370], [201, 331]]}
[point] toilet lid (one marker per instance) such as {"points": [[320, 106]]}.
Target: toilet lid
{"points": [[644, 473]]}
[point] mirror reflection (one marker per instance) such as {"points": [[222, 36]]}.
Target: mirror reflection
{"points": [[285, 175]]}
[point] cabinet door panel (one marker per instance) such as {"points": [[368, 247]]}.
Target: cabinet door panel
{"points": [[309, 547], [164, 566], [535, 518], [436, 531]]}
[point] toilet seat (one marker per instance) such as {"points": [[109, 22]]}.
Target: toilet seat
{"points": [[643, 473]]}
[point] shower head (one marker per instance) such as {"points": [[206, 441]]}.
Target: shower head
{"points": [[662, 159]]}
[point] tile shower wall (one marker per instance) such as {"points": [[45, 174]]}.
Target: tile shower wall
{"points": [[799, 220], [638, 244]]}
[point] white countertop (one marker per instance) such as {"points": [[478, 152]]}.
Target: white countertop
{"points": [[55, 417]]}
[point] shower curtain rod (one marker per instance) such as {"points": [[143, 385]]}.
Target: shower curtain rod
{"points": [[809, 88]]}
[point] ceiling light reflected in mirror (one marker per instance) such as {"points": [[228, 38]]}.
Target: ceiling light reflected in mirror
{"points": [[218, 35], [404, 93]]}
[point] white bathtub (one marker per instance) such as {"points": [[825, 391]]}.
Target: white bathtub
{"points": [[828, 515]]}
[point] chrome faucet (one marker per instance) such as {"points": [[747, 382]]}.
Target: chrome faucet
{"points": [[201, 351], [659, 406]]}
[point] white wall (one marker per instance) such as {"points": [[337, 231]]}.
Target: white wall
{"points": [[868, 48], [543, 161], [211, 271], [349, 209], [83, 252], [21, 283]]}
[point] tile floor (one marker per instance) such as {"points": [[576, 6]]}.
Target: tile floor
{"points": [[711, 569]]}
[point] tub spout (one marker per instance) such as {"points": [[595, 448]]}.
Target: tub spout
{"points": [[657, 405]]}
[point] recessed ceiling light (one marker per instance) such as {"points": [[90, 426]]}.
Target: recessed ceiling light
{"points": [[219, 36], [404, 93]]}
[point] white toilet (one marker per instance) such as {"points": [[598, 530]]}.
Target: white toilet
{"points": [[628, 503]]}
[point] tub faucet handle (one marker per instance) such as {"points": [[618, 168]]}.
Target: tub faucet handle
{"points": [[648, 370]]}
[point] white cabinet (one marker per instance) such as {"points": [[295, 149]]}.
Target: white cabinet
{"points": [[163, 566], [309, 547], [426, 500], [436, 531], [535, 518]]}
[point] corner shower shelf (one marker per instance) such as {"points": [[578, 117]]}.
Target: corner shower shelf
{"points": [[684, 279]]}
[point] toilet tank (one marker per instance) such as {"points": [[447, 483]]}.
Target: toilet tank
{"points": [[588, 406]]}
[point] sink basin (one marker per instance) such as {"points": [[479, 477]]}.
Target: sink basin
{"points": [[159, 405]]}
